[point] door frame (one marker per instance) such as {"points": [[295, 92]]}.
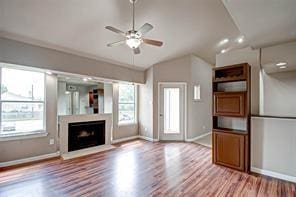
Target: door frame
{"points": [[185, 107]]}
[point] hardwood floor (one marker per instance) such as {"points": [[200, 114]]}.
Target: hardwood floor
{"points": [[139, 168]]}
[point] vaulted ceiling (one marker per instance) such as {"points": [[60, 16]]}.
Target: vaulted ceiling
{"points": [[187, 26]]}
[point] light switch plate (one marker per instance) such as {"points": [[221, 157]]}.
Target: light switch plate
{"points": [[51, 141]]}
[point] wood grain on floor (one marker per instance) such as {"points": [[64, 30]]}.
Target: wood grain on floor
{"points": [[139, 168]]}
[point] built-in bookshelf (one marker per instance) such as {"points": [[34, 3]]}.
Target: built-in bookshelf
{"points": [[231, 116]]}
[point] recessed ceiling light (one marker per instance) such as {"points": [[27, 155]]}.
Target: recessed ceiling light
{"points": [[240, 40], [89, 78], [224, 41], [223, 50], [67, 92], [48, 72], [281, 64], [283, 67], [84, 79]]}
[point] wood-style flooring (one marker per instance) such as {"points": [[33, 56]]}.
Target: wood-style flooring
{"points": [[139, 168]]}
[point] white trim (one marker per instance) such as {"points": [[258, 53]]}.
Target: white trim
{"points": [[86, 151], [124, 139], [198, 137], [274, 174], [148, 138], [30, 159], [22, 136], [185, 107]]}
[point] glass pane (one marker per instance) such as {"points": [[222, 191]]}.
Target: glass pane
{"points": [[28, 87], [171, 110], [126, 93], [126, 112], [21, 117]]}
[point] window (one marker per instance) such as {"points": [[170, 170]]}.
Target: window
{"points": [[21, 102], [126, 103]]}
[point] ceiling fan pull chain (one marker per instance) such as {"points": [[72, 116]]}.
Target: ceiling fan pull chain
{"points": [[133, 15]]}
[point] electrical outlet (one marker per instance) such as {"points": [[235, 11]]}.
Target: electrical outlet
{"points": [[204, 127], [51, 141]]}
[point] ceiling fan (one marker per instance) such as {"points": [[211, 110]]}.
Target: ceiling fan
{"points": [[133, 38]]}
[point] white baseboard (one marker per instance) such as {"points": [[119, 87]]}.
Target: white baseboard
{"points": [[274, 174], [125, 139], [30, 159], [148, 138], [198, 137]]}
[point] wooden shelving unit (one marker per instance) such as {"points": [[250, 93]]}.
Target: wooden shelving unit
{"points": [[231, 146]]}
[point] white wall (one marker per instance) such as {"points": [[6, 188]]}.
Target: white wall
{"points": [[279, 94], [146, 105], [108, 98], [24, 148], [62, 100], [273, 145]]}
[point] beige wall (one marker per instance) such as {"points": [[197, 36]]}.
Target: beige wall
{"points": [[200, 112], [177, 70], [24, 148], [189, 69], [25, 54], [28, 55]]}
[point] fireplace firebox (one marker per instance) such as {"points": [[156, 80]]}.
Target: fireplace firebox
{"points": [[86, 134]]}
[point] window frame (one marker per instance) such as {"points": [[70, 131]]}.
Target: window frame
{"points": [[133, 122], [21, 134]]}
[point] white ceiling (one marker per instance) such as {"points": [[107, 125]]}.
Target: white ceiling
{"points": [[187, 26], [264, 22]]}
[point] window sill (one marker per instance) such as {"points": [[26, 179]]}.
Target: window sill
{"points": [[123, 124], [23, 136]]}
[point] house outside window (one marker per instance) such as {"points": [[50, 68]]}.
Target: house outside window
{"points": [[22, 102], [126, 103]]}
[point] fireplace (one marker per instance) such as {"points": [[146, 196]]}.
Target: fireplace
{"points": [[86, 134]]}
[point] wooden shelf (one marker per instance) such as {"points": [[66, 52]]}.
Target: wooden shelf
{"points": [[231, 146], [230, 73], [227, 130]]}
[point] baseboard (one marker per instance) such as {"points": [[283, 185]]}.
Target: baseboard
{"points": [[30, 159], [274, 174], [148, 138], [124, 139], [198, 137]]}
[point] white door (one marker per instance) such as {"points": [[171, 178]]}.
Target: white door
{"points": [[172, 111]]}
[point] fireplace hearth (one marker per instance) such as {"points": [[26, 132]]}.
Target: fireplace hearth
{"points": [[86, 134]]}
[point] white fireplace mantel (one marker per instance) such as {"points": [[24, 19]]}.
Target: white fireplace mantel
{"points": [[63, 133]]}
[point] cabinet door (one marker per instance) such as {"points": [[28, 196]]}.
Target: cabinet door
{"points": [[229, 150], [229, 103]]}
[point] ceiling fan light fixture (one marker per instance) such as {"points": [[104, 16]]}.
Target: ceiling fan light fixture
{"points": [[133, 43]]}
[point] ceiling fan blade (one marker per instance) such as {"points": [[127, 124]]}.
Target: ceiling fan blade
{"points": [[144, 29], [153, 42], [115, 30], [137, 51], [116, 43]]}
